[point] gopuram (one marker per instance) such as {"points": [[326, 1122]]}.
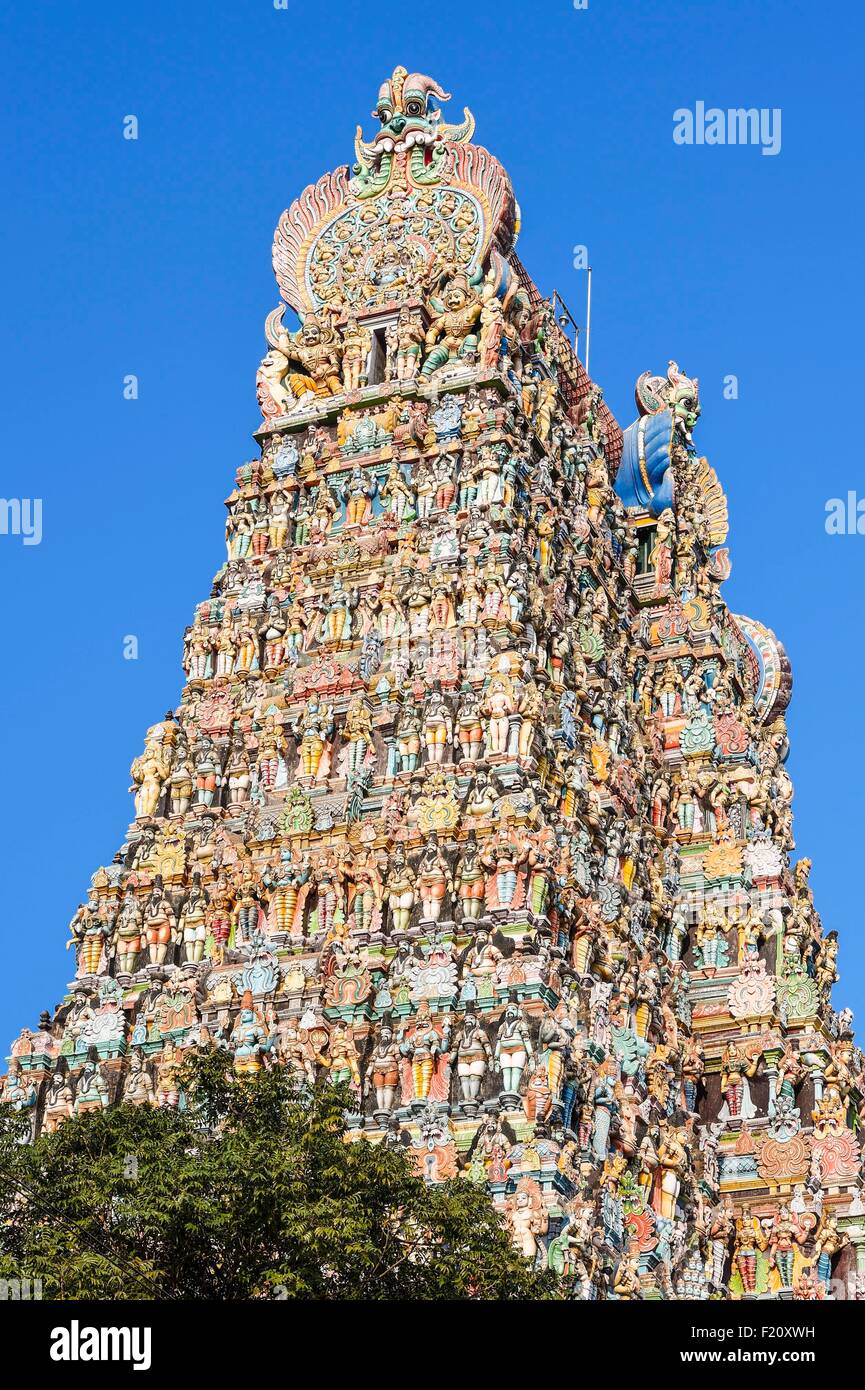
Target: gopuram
{"points": [[475, 795]]}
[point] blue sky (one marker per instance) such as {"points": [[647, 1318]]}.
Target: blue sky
{"points": [[153, 257]]}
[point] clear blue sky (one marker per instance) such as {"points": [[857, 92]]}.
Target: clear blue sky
{"points": [[153, 258]]}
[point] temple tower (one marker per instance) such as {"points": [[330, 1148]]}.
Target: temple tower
{"points": [[475, 794]]}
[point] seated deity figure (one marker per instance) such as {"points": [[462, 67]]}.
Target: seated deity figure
{"points": [[314, 349], [452, 334]]}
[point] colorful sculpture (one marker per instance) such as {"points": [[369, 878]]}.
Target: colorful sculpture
{"points": [[474, 798]]}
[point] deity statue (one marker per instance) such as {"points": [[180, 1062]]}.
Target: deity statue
{"points": [[451, 336], [285, 880], [149, 773], [470, 881], [720, 1231], [91, 1088], [247, 904], [313, 731], [474, 1054], [426, 1046], [406, 345], [89, 932], [498, 706], [192, 922], [208, 771], [160, 923], [397, 494], [335, 621], [315, 354], [513, 1051], [58, 1101], [673, 1162], [400, 884], [737, 1069], [220, 917], [138, 1087], [356, 344], [249, 1041], [480, 966], [711, 942], [343, 1059], [237, 773], [358, 492], [383, 1068], [433, 879], [328, 877], [526, 1218], [749, 1241], [693, 1071], [365, 893], [502, 856], [437, 726]]}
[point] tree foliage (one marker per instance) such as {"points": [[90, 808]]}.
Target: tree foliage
{"points": [[252, 1191]]}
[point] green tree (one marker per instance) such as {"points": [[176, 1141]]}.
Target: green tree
{"points": [[251, 1191]]}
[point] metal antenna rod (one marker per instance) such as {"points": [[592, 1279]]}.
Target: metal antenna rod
{"points": [[588, 316]]}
